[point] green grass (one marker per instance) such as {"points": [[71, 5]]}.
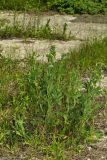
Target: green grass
{"points": [[29, 5], [88, 55], [48, 106], [36, 30]]}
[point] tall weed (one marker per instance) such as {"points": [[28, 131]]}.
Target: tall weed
{"points": [[46, 96]]}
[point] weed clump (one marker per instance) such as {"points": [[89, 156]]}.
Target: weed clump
{"points": [[34, 31], [48, 104]]}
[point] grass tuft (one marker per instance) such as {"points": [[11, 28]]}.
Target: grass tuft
{"points": [[17, 30]]}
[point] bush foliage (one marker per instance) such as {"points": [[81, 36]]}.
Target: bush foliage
{"points": [[81, 6], [68, 6]]}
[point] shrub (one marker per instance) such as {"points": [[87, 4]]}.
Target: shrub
{"points": [[68, 6], [80, 6]]}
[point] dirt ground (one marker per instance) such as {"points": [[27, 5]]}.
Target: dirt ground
{"points": [[81, 27]]}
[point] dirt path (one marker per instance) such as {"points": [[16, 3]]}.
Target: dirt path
{"points": [[18, 48], [81, 30], [82, 27]]}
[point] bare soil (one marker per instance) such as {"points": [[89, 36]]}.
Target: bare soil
{"points": [[81, 27], [18, 48]]}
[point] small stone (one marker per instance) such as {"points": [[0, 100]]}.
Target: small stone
{"points": [[89, 148], [102, 157]]}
